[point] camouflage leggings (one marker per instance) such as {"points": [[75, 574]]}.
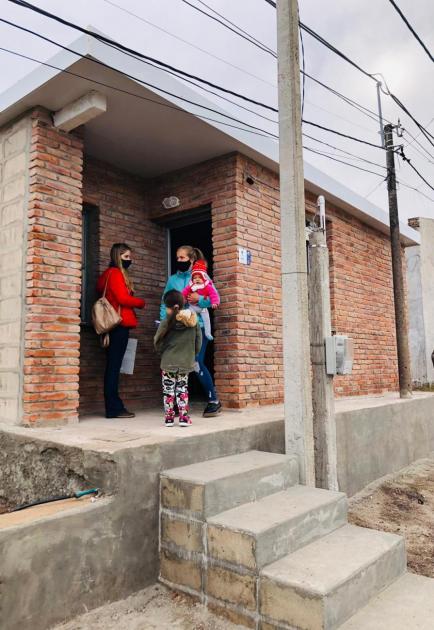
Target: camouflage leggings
{"points": [[175, 387]]}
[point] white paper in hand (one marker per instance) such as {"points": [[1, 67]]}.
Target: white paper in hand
{"points": [[128, 361]]}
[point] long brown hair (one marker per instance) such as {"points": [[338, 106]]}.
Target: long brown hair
{"points": [[116, 261], [175, 300], [193, 253]]}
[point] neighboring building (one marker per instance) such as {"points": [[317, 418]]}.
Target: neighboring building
{"points": [[420, 282], [68, 195]]}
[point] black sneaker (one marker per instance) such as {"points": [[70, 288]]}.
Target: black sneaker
{"points": [[126, 414], [212, 409], [123, 414]]}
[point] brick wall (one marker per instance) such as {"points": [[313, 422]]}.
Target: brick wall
{"points": [[362, 303], [215, 183], [258, 320], [52, 338], [248, 351], [14, 156], [124, 217]]}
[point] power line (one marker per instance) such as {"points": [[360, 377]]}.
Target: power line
{"points": [[126, 49], [424, 131], [427, 155], [197, 85], [349, 101], [361, 108], [420, 133], [370, 75], [359, 168], [383, 179], [332, 146], [303, 71], [343, 135], [146, 83], [263, 47], [250, 39], [401, 183], [337, 52], [336, 115], [411, 29], [187, 43], [406, 159], [127, 92], [237, 27], [376, 187], [183, 111], [165, 67], [101, 63]]}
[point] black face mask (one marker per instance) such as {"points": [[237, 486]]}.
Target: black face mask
{"points": [[183, 265], [126, 263]]}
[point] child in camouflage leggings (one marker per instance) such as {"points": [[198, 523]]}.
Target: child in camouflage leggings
{"points": [[178, 340]]}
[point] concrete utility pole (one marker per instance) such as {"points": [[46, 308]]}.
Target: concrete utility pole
{"points": [[296, 345], [324, 426], [398, 276]]}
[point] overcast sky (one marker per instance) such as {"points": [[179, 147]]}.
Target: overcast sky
{"points": [[368, 31]]}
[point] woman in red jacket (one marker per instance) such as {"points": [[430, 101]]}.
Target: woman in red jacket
{"points": [[119, 293]]}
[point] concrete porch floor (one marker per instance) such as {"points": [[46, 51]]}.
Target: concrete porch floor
{"points": [[97, 433]]}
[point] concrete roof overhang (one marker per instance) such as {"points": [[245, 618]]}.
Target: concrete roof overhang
{"points": [[144, 133]]}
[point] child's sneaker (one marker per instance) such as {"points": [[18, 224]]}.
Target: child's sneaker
{"points": [[185, 421], [169, 422]]}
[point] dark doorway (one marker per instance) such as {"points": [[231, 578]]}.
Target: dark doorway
{"points": [[197, 235], [194, 229]]}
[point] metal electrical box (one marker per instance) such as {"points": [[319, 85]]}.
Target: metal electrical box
{"points": [[339, 354]]}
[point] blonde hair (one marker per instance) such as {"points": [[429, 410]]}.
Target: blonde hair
{"points": [[193, 253], [115, 258]]}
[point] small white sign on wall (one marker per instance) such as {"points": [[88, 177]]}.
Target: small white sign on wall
{"points": [[244, 256], [129, 359]]}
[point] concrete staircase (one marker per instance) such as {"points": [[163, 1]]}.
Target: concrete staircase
{"points": [[241, 535]]}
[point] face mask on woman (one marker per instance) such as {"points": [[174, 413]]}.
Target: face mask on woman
{"points": [[126, 263], [183, 265]]}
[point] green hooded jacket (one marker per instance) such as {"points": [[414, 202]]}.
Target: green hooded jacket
{"points": [[179, 347]]}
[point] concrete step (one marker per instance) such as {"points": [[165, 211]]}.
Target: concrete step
{"points": [[258, 533], [321, 585], [208, 488], [408, 604]]}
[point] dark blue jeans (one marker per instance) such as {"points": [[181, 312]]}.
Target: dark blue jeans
{"points": [[203, 374], [115, 354]]}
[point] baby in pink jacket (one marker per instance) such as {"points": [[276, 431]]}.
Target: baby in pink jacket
{"points": [[202, 284]]}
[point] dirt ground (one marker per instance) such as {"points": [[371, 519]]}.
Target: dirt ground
{"points": [[402, 504], [154, 608]]}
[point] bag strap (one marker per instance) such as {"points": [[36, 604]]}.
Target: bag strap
{"points": [[106, 283], [105, 290]]}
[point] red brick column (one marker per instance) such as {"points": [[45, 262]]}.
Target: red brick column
{"points": [[52, 324], [249, 333]]}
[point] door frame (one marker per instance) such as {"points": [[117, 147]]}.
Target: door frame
{"points": [[181, 219]]}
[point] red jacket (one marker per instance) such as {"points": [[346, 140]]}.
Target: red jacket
{"points": [[118, 294]]}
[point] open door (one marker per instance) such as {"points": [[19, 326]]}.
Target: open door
{"points": [[193, 228]]}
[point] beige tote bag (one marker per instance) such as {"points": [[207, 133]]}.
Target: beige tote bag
{"points": [[104, 316]]}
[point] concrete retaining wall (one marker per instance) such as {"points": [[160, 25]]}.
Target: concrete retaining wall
{"points": [[376, 441], [51, 571]]}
